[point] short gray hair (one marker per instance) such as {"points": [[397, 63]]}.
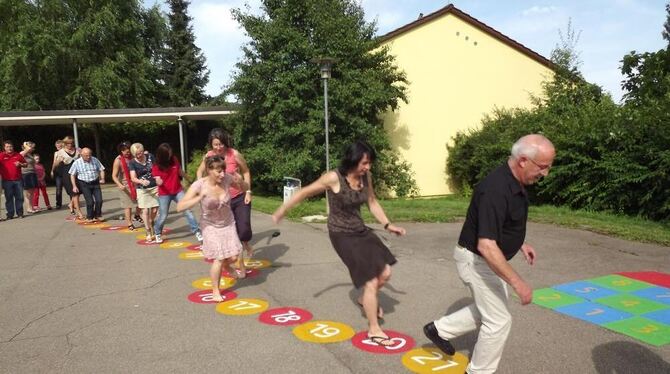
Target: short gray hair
{"points": [[529, 145]]}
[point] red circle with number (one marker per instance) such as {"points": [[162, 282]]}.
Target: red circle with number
{"points": [[401, 343], [205, 296], [194, 247], [250, 273], [285, 316], [113, 228]]}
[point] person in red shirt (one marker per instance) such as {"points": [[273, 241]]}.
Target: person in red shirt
{"points": [[41, 185], [10, 170], [168, 174]]}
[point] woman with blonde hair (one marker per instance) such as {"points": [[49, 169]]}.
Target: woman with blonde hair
{"points": [[146, 187], [63, 160], [217, 222]]}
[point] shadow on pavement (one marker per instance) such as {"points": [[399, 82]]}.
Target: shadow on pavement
{"points": [[627, 357], [270, 253]]}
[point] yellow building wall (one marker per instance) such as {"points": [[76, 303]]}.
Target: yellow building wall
{"points": [[457, 74]]}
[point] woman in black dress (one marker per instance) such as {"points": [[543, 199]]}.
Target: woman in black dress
{"points": [[367, 258]]}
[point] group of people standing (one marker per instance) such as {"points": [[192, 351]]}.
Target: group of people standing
{"points": [[23, 179]]}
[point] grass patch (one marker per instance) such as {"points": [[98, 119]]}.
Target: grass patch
{"points": [[453, 208]]}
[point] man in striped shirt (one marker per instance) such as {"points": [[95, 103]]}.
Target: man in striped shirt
{"points": [[86, 174]]}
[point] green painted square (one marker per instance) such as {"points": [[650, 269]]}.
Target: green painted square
{"points": [[631, 303], [620, 283], [550, 298], [646, 330]]}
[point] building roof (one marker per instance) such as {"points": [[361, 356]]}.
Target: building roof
{"points": [[67, 117], [451, 9]]}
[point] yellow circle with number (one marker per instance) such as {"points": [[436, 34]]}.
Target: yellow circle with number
{"points": [[174, 245], [323, 332], [242, 307], [95, 226], [251, 263], [433, 360], [137, 230], [206, 283], [191, 255]]}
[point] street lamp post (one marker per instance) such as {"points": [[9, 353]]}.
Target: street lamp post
{"points": [[326, 66]]}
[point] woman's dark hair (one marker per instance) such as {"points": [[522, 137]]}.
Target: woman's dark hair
{"points": [[354, 154], [215, 162], [164, 157], [218, 133], [123, 146]]}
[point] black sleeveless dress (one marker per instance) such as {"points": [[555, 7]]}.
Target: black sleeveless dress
{"points": [[360, 249]]}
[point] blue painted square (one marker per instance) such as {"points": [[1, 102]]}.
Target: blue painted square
{"points": [[587, 290], [657, 294], [662, 316], [593, 312]]}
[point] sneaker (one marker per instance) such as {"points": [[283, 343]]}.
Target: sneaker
{"points": [[443, 344], [50, 208], [149, 238], [158, 239], [198, 235]]}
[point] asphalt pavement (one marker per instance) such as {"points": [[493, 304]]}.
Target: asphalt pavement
{"points": [[78, 299]]}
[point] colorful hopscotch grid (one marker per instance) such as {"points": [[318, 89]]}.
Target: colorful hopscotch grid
{"points": [[621, 303]]}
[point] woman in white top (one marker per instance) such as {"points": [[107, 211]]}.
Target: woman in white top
{"points": [[63, 161]]}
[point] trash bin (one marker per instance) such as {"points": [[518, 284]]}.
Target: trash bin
{"points": [[291, 186]]}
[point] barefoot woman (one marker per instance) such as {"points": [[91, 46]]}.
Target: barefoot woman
{"points": [[217, 223], [367, 258]]}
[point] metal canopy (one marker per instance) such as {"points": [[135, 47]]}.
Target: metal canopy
{"points": [[66, 117], [76, 117]]}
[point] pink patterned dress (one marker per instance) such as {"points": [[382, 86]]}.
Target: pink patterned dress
{"points": [[217, 223]]}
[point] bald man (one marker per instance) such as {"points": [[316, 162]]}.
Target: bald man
{"points": [[86, 174], [493, 232]]}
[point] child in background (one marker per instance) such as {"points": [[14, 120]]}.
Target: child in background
{"points": [[41, 185]]}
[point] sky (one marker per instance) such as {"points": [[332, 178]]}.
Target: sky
{"points": [[608, 29]]}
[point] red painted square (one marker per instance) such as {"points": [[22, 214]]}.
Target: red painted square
{"points": [[653, 277]]}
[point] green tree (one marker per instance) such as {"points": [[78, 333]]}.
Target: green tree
{"points": [[33, 68], [77, 54], [185, 72], [108, 55], [280, 125]]}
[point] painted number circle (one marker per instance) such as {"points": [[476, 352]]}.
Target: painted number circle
{"points": [[113, 228], [433, 360], [174, 245], [401, 343], [135, 231], [95, 225], [256, 264], [323, 332], [250, 273], [242, 307], [206, 283], [191, 255], [285, 316], [195, 247], [205, 296]]}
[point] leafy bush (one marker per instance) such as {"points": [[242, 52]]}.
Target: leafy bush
{"points": [[609, 157]]}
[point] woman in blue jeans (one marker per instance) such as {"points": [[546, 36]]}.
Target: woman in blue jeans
{"points": [[168, 174]]}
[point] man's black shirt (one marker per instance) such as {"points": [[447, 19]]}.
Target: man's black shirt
{"points": [[498, 211]]}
